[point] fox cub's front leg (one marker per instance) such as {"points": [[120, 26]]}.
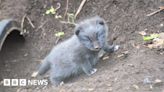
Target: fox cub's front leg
{"points": [[88, 69]]}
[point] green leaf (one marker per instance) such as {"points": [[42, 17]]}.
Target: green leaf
{"points": [[59, 34], [51, 10], [151, 37], [71, 18], [154, 35], [147, 38]]}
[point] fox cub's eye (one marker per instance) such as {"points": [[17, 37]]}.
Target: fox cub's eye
{"points": [[85, 38], [101, 23], [88, 38]]}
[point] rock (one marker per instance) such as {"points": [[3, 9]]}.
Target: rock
{"points": [[142, 33], [158, 81], [34, 74], [90, 89], [135, 86], [131, 65]]}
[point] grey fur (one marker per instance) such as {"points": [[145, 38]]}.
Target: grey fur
{"points": [[79, 53]]}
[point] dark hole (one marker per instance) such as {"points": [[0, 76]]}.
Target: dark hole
{"points": [[13, 42], [14, 37]]}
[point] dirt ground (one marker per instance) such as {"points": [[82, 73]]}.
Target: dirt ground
{"points": [[125, 19]]}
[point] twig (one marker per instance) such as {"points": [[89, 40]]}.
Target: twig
{"points": [[154, 12], [22, 22], [65, 22], [30, 22], [41, 25], [58, 6], [23, 19], [57, 40], [160, 9], [66, 9], [80, 7]]}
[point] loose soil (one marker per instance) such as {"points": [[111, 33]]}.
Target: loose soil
{"points": [[125, 19]]}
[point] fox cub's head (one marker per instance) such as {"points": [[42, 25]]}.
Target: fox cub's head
{"points": [[92, 33]]}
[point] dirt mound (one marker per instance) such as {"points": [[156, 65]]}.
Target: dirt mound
{"points": [[138, 71]]}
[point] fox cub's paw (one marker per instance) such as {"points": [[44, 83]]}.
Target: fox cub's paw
{"points": [[94, 70], [116, 47]]}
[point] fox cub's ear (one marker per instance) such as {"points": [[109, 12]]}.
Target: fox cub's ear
{"points": [[78, 29]]}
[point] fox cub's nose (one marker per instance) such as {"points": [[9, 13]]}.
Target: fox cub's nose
{"points": [[96, 46]]}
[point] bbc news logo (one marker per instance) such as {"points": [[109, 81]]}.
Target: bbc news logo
{"points": [[24, 82]]}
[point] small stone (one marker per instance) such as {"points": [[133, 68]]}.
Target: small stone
{"points": [[115, 79], [109, 85], [161, 25], [126, 52], [135, 86], [34, 74], [19, 90], [26, 54], [123, 54], [151, 87], [115, 70], [131, 65], [158, 81], [90, 89], [105, 58], [142, 33], [58, 16]]}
